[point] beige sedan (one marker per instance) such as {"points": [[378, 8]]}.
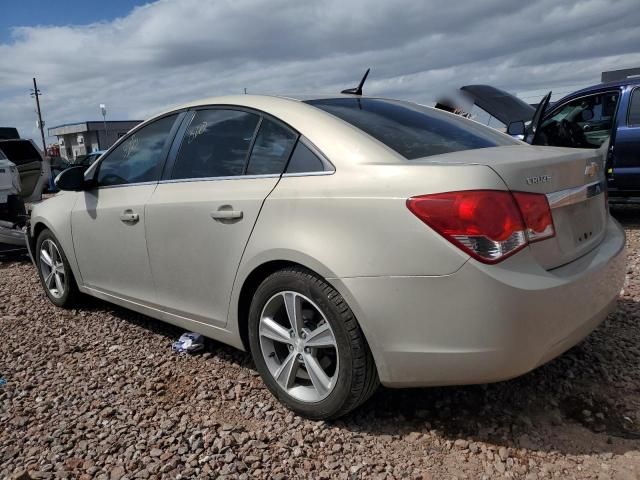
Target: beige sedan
{"points": [[344, 241]]}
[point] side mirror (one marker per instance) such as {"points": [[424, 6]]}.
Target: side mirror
{"points": [[516, 128], [71, 179]]}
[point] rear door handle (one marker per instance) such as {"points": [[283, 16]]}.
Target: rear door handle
{"points": [[128, 216], [226, 214]]}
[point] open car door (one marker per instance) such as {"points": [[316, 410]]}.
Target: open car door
{"points": [[32, 167], [533, 129]]}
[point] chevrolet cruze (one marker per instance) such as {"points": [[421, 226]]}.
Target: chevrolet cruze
{"points": [[345, 241]]}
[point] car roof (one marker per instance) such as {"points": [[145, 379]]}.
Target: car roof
{"points": [[256, 100], [601, 86]]}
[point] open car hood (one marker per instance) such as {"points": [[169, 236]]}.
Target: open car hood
{"points": [[500, 104]]}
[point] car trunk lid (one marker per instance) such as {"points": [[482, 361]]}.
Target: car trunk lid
{"points": [[573, 181]]}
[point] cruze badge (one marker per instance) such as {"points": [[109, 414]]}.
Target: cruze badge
{"points": [[538, 179], [592, 169]]}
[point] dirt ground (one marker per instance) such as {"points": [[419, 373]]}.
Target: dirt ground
{"points": [[96, 392]]}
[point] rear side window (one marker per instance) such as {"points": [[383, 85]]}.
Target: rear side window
{"points": [[139, 158], [634, 108], [216, 144], [412, 130], [304, 160], [272, 149]]}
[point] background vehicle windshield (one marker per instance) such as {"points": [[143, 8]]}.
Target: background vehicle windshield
{"points": [[412, 130]]}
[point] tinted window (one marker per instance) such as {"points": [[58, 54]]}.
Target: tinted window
{"points": [[215, 144], [581, 123], [20, 152], [412, 130], [304, 160], [140, 157], [271, 149], [634, 108]]}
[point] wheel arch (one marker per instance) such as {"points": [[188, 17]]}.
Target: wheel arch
{"points": [[261, 271], [37, 226], [250, 285]]}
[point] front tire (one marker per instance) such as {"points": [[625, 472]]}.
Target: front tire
{"points": [[308, 346], [54, 271]]}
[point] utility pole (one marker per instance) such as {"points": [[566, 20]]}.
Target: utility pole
{"points": [[36, 93]]}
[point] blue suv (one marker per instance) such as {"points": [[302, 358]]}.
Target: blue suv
{"points": [[586, 118], [583, 119]]}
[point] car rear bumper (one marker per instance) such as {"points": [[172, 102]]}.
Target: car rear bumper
{"points": [[485, 323]]}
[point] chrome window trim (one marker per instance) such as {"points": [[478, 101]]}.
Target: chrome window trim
{"points": [[136, 184], [571, 196], [212, 179], [308, 174]]}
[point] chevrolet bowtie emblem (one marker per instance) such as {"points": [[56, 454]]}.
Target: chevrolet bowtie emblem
{"points": [[592, 169]]}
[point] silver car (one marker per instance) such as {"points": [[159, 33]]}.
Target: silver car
{"points": [[344, 241]]}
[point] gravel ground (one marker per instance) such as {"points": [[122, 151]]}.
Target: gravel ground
{"points": [[97, 393]]}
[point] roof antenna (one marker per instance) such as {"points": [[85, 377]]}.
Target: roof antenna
{"points": [[357, 90]]}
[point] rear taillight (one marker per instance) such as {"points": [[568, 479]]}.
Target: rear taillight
{"points": [[489, 225], [536, 214]]}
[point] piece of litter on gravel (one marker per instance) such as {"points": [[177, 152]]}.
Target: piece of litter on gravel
{"points": [[3, 382], [189, 343]]}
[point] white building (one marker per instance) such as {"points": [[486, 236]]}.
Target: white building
{"points": [[76, 139]]}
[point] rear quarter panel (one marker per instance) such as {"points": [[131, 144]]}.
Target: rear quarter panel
{"points": [[355, 222]]}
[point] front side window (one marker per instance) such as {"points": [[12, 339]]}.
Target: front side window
{"points": [[582, 123], [634, 109], [140, 157], [412, 130], [271, 149], [216, 144]]}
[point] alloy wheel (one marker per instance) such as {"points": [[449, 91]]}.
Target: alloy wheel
{"points": [[299, 346], [52, 268]]}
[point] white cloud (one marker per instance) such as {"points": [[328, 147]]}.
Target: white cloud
{"points": [[168, 52]]}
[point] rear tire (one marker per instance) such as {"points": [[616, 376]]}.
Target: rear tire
{"points": [[54, 271], [324, 366]]}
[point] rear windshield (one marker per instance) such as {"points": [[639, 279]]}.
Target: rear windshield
{"points": [[412, 130], [20, 151]]}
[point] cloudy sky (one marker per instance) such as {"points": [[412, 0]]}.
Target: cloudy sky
{"points": [[140, 58]]}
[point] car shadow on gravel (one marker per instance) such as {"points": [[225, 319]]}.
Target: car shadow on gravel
{"points": [[587, 400], [170, 332], [7, 259], [627, 215]]}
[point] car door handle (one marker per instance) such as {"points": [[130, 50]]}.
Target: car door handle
{"points": [[226, 214], [128, 216]]}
